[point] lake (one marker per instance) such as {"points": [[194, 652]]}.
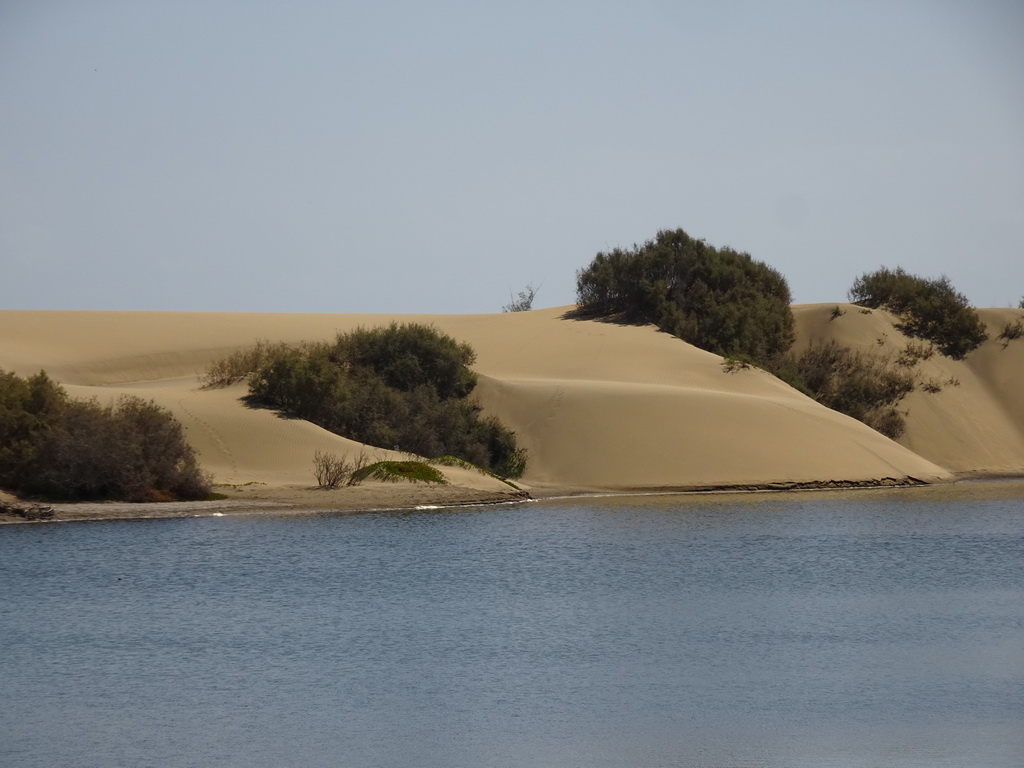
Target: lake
{"points": [[869, 628]]}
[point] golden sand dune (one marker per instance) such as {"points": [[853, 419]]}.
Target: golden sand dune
{"points": [[599, 406], [976, 422]]}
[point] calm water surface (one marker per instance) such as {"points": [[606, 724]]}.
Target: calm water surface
{"points": [[867, 629]]}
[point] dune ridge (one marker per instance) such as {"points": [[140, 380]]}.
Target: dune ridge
{"points": [[599, 406]]}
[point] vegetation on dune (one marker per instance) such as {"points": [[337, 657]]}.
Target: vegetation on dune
{"points": [[55, 447], [407, 386], [402, 386], [332, 471], [728, 303], [868, 387], [928, 309], [714, 298], [1012, 331], [236, 366], [455, 461], [396, 471], [523, 302]]}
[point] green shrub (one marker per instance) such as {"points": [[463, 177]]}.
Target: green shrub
{"points": [[28, 410], [410, 356], [716, 299], [455, 461], [515, 466], [395, 471], [58, 448], [402, 387], [927, 309]]}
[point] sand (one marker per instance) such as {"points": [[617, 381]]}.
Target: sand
{"points": [[975, 424], [601, 407]]}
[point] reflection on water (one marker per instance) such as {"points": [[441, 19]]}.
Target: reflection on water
{"points": [[858, 629]]}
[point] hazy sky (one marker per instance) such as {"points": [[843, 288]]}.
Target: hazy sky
{"points": [[436, 156]]}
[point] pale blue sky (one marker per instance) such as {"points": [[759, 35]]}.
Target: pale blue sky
{"points": [[436, 156]]}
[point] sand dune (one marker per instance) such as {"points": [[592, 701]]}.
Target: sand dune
{"points": [[976, 422], [599, 406]]}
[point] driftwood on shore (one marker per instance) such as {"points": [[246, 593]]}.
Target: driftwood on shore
{"points": [[26, 511]]}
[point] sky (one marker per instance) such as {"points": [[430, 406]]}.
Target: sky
{"points": [[437, 157]]}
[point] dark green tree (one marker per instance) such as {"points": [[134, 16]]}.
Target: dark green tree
{"points": [[404, 386], [28, 409], [60, 448], [927, 308], [717, 299]]}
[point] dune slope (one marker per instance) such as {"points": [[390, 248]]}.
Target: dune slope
{"points": [[599, 406], [975, 423]]}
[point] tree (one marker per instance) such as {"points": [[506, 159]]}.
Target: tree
{"points": [[60, 448], [404, 386], [714, 298], [927, 308]]}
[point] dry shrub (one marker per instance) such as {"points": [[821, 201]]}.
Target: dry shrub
{"points": [[1011, 331], [864, 386], [332, 471], [234, 367], [914, 353]]}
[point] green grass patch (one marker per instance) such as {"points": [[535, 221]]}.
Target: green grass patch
{"points": [[455, 461], [395, 471]]}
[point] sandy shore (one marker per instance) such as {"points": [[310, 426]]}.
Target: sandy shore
{"points": [[369, 499], [600, 407], [254, 500]]}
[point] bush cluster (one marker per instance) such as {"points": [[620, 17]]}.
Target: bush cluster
{"points": [[56, 447], [867, 387], [402, 386], [236, 366], [714, 298], [927, 309]]}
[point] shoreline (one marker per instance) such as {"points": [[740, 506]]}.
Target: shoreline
{"points": [[416, 497]]}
